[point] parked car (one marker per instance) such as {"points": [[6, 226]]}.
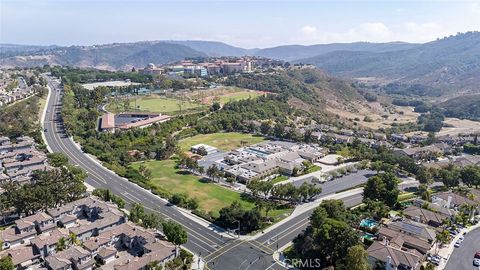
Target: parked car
{"points": [[457, 244], [434, 259], [477, 255]]}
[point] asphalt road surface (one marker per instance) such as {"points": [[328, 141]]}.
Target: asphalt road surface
{"points": [[462, 257]]}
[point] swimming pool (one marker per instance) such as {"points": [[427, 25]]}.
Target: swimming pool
{"points": [[369, 223], [368, 236]]}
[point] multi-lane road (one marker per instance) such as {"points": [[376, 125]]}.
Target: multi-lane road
{"points": [[217, 251]]}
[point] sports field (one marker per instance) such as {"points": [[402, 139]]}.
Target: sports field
{"points": [[223, 141], [223, 95], [159, 104]]}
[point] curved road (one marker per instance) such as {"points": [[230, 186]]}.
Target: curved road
{"points": [[218, 252], [462, 257]]}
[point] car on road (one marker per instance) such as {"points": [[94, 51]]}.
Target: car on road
{"points": [[457, 244], [476, 262], [435, 259], [477, 255]]}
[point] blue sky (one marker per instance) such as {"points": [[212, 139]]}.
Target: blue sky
{"points": [[242, 23]]}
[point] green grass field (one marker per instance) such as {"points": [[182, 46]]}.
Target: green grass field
{"points": [[224, 141], [210, 196], [279, 178], [159, 104], [235, 96]]}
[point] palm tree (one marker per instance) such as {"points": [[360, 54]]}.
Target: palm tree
{"points": [[61, 244], [73, 239]]}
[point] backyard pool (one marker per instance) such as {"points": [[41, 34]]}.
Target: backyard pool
{"points": [[368, 223]]}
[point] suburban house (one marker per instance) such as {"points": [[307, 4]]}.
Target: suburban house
{"points": [[105, 238], [392, 257], [402, 240], [413, 228], [451, 200], [424, 216]]}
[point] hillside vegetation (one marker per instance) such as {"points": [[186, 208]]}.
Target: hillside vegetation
{"points": [[309, 85], [111, 56], [465, 107], [452, 62]]}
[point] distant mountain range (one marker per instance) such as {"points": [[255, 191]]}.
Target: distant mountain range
{"points": [[452, 61], [444, 63], [295, 52]]}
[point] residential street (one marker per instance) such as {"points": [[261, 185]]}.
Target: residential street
{"points": [[462, 257]]}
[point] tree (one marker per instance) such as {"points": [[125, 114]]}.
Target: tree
{"points": [[202, 151], [424, 192], [145, 171], [443, 237], [470, 175], [57, 159], [356, 259], [279, 130], [152, 221], [61, 244], [6, 263], [73, 239], [174, 232], [213, 171], [137, 212], [215, 107], [424, 176], [377, 209], [450, 176], [382, 187], [265, 128]]}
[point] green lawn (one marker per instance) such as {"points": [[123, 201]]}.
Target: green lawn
{"points": [[279, 178], [235, 96], [158, 104], [210, 196], [312, 168], [224, 141], [406, 196]]}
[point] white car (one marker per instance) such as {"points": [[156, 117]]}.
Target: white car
{"points": [[476, 262], [457, 244]]}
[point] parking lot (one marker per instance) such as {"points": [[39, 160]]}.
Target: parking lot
{"points": [[462, 257]]}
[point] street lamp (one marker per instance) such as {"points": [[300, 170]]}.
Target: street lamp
{"points": [[238, 229]]}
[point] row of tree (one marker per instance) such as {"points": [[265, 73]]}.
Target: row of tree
{"points": [[451, 175]]}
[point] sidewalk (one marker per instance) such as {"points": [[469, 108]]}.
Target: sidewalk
{"points": [[445, 252]]}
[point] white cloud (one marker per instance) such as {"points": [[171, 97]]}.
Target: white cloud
{"points": [[308, 30], [368, 31]]}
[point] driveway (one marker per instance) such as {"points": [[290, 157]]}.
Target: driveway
{"points": [[462, 257]]}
